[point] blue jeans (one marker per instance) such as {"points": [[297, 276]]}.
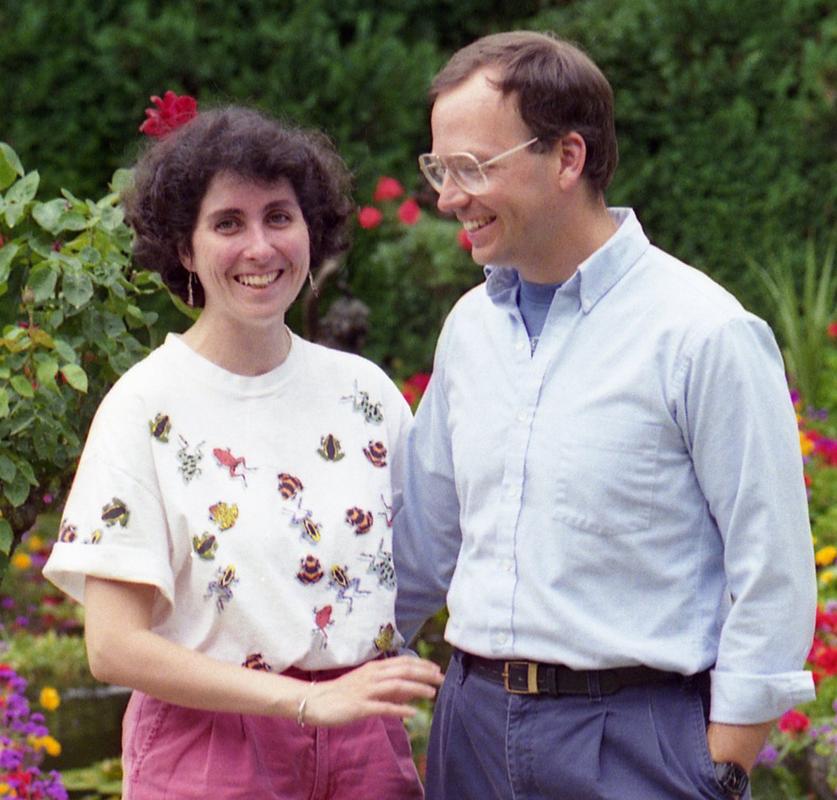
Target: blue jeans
{"points": [[641, 743]]}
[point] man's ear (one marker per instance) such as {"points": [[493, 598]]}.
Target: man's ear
{"points": [[572, 156]]}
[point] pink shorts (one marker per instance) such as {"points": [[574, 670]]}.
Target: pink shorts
{"points": [[171, 753]]}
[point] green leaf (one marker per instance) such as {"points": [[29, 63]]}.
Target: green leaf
{"points": [[22, 387], [48, 215], [112, 218], [7, 254], [122, 180], [4, 403], [76, 377], [17, 490], [7, 468], [65, 350], [42, 279], [25, 468], [46, 370], [6, 537], [19, 196], [77, 288], [10, 166], [73, 221]]}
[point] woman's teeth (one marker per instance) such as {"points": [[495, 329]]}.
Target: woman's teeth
{"points": [[258, 281]]}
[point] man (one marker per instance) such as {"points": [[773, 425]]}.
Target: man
{"points": [[604, 479]]}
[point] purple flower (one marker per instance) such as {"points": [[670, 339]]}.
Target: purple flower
{"points": [[768, 755], [7, 602]]}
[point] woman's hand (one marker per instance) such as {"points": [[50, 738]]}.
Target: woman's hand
{"points": [[378, 687]]}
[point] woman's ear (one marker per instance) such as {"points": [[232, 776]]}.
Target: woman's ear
{"points": [[185, 255]]}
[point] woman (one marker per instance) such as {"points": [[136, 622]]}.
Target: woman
{"points": [[228, 527]]}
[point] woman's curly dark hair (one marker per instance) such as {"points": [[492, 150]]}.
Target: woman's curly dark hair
{"points": [[172, 175]]}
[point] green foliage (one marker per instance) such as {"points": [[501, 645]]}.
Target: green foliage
{"points": [[410, 276], [801, 318], [100, 781], [727, 118], [75, 315], [49, 659]]}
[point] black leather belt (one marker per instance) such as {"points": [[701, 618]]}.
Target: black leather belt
{"points": [[531, 677]]}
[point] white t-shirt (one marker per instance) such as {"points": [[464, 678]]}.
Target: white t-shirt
{"points": [[259, 507]]}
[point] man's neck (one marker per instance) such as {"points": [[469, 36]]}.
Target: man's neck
{"points": [[579, 233]]}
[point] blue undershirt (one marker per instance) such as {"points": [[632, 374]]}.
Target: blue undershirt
{"points": [[534, 300]]}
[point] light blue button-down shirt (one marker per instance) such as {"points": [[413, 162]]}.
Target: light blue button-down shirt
{"points": [[631, 493]]}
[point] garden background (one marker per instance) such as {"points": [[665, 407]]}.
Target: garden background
{"points": [[727, 123]]}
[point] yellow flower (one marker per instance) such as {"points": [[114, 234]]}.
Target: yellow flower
{"points": [[50, 699], [51, 745], [21, 561], [806, 444], [827, 577], [35, 543], [4, 788]]}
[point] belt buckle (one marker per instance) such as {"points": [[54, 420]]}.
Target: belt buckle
{"points": [[531, 677]]}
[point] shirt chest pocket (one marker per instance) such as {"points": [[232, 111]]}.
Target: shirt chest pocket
{"points": [[607, 475]]}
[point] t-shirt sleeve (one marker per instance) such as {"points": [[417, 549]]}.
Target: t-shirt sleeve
{"points": [[114, 523]]}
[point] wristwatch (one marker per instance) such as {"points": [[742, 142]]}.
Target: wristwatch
{"points": [[732, 777]]}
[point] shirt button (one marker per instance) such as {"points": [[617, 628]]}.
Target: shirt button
{"points": [[501, 638], [520, 346], [507, 564], [522, 416], [511, 492]]}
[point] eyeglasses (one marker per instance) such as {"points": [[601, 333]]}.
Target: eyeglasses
{"points": [[467, 173]]}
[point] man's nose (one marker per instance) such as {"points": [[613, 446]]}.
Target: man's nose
{"points": [[451, 195]]}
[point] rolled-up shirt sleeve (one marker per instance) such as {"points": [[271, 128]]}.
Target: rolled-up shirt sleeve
{"points": [[739, 423]]}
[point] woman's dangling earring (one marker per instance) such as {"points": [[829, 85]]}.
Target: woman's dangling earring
{"points": [[190, 289], [313, 285]]}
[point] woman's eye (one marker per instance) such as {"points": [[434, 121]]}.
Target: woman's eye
{"points": [[226, 225], [278, 218]]}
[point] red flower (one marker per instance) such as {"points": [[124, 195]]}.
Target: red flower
{"points": [[409, 212], [464, 240], [832, 330], [171, 112], [2, 240], [387, 189], [827, 660], [410, 394], [793, 721], [369, 217], [418, 381]]}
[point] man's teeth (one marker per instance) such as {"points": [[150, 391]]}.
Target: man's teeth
{"points": [[259, 281], [472, 225]]}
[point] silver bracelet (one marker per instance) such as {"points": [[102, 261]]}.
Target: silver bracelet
{"points": [[300, 712]]}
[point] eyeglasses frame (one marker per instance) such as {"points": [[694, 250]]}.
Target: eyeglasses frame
{"points": [[426, 158]]}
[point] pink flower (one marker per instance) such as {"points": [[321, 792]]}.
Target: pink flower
{"points": [[409, 212], [793, 722], [369, 217], [387, 189], [464, 240], [171, 112]]}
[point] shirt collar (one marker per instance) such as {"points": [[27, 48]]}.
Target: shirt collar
{"points": [[596, 275]]}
